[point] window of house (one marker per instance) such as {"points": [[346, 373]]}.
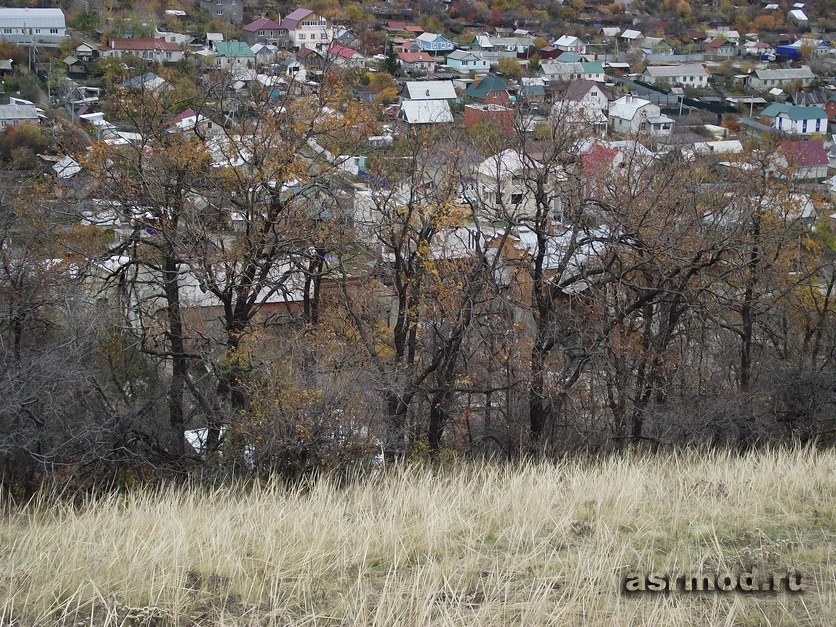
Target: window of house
{"points": [[219, 12], [804, 126], [516, 199], [53, 31], [167, 55], [324, 36], [37, 31], [301, 35], [7, 31], [261, 33]]}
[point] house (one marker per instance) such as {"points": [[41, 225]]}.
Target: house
{"points": [[532, 91], [630, 36], [31, 26], [548, 53], [560, 71], [416, 62], [802, 160], [434, 43], [501, 188], [428, 90], [294, 70], [687, 75], [229, 53], [581, 102], [156, 50], [518, 42], [266, 31], [799, 17], [630, 115], [172, 37], [570, 43], [231, 11], [86, 51], [726, 33], [489, 90], [307, 29], [464, 62], [830, 109], [721, 48], [425, 112], [190, 122], [17, 114], [265, 54], [344, 56], [492, 115], [800, 120], [655, 45], [148, 82], [764, 79]]}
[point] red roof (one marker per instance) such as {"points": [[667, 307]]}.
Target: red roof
{"points": [[342, 51], [415, 57], [292, 19], [262, 23], [143, 44], [188, 113], [805, 153]]}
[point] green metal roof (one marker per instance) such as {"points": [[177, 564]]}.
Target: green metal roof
{"points": [[486, 85], [238, 49]]}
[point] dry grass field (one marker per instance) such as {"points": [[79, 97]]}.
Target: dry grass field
{"points": [[545, 544]]}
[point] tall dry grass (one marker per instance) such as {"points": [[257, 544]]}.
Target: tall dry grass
{"points": [[474, 545]]}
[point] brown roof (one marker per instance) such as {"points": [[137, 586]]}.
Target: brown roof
{"points": [[716, 43], [143, 44], [415, 57]]}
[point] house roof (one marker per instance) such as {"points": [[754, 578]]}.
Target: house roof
{"points": [[430, 90], [343, 52], [502, 164], [774, 109], [798, 15], [262, 23], [804, 154], [626, 107], [234, 49], [569, 57], [292, 19], [485, 86], [788, 74], [631, 34], [18, 112], [32, 18], [461, 55], [577, 90], [430, 37], [592, 67], [415, 57], [671, 71], [803, 113], [144, 44], [567, 40], [715, 44], [652, 42], [146, 81], [425, 111]]}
